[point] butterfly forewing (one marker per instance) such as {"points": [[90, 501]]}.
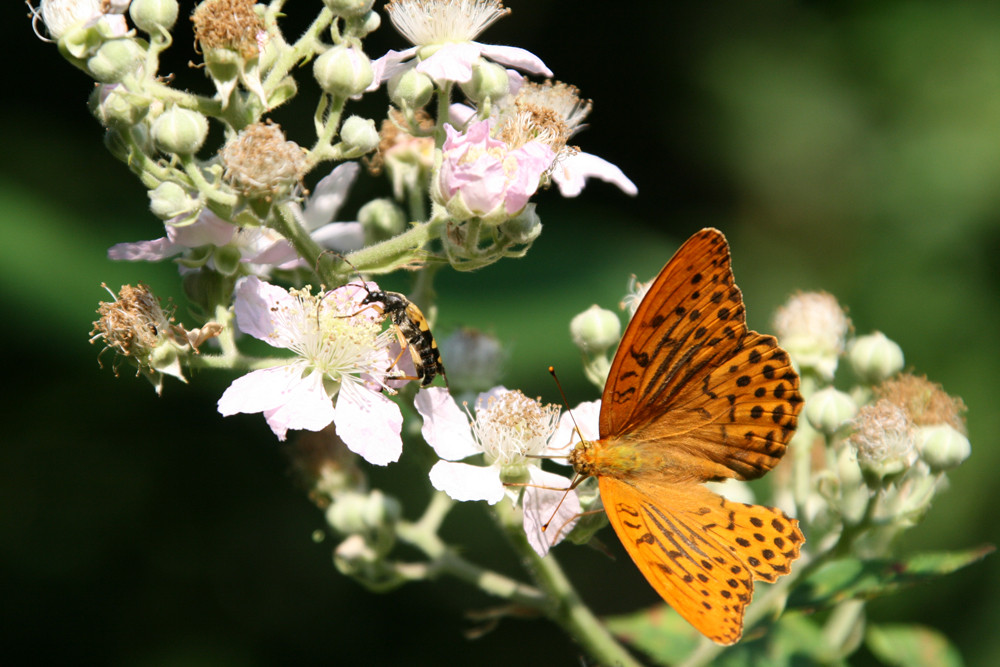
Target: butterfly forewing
{"points": [[689, 374], [700, 552]]}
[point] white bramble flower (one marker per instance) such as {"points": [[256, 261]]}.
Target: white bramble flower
{"points": [[343, 361], [442, 32], [59, 16], [813, 328], [509, 431]]}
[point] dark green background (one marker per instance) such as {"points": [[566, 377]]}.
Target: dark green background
{"points": [[851, 147]]}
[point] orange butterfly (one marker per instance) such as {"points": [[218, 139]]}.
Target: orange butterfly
{"points": [[692, 396]]}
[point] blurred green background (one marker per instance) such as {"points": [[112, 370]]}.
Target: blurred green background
{"points": [[850, 147]]}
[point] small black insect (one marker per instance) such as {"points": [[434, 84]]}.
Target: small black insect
{"points": [[413, 331]]}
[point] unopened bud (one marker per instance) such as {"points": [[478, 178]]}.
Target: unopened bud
{"points": [[152, 16], [115, 60], [359, 136], [381, 219], [829, 409], [343, 71], [523, 228], [595, 330], [942, 447], [180, 131], [169, 200], [475, 360], [349, 8], [410, 89], [874, 357], [489, 81]]}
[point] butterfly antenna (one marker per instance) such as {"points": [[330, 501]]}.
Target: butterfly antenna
{"points": [[576, 427]]}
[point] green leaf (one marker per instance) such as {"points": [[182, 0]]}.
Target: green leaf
{"points": [[793, 639], [911, 646], [865, 579], [658, 631]]}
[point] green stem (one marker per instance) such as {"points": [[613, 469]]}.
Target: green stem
{"points": [[210, 191], [301, 51], [564, 606], [392, 253], [443, 560], [310, 251]]}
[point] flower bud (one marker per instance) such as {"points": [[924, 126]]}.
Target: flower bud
{"points": [[829, 409], [353, 513], [874, 357], [381, 219], [489, 82], [367, 24], [152, 16], [359, 136], [113, 104], [942, 447], [116, 59], [410, 89], [349, 8], [343, 71], [595, 330], [179, 131], [523, 228], [169, 200], [475, 360]]}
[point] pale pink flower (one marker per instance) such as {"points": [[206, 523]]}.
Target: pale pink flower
{"points": [[507, 433], [572, 166], [342, 362], [481, 176], [442, 32]]}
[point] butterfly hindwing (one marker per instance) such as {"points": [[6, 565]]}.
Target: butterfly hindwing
{"points": [[700, 552]]}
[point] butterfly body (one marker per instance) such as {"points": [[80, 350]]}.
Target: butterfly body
{"points": [[692, 396]]}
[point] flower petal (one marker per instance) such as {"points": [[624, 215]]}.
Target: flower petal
{"points": [[464, 482], [255, 306], [513, 56], [446, 426], [585, 416], [329, 195], [451, 62], [369, 424], [340, 236], [287, 399], [544, 503], [572, 171], [389, 65], [145, 251]]}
